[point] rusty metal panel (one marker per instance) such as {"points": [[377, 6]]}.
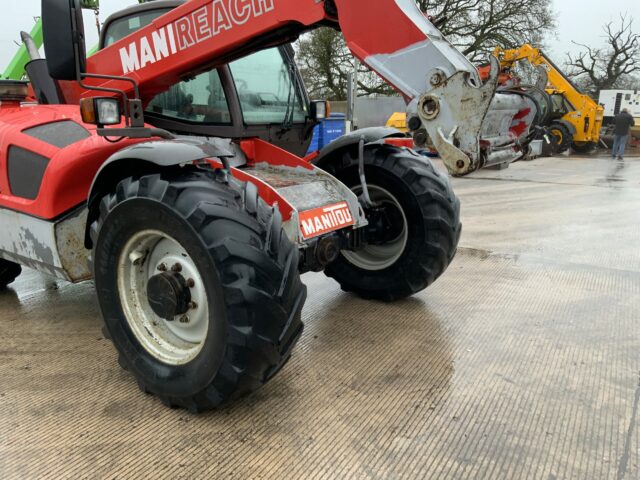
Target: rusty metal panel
{"points": [[29, 241], [74, 257], [56, 249]]}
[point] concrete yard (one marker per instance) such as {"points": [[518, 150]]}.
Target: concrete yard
{"points": [[522, 361]]}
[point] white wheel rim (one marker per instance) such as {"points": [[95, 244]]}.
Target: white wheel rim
{"points": [[173, 342], [379, 257]]}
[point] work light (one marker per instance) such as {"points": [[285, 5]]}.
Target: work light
{"points": [[100, 110]]}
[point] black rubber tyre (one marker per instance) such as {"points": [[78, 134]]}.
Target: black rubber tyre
{"points": [[252, 283], [9, 271], [433, 218], [561, 137], [583, 147]]}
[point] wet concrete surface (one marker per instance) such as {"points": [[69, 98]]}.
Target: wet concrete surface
{"points": [[522, 361]]}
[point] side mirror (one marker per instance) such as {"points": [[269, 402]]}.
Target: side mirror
{"points": [[319, 110], [63, 33]]}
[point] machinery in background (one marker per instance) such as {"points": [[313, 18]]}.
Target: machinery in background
{"points": [[398, 120], [613, 101], [572, 118], [15, 69]]}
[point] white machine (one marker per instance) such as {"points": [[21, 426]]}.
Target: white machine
{"points": [[615, 100]]}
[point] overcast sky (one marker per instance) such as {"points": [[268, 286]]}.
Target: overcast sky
{"points": [[578, 20]]}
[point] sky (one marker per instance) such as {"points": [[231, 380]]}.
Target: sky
{"points": [[578, 20]]}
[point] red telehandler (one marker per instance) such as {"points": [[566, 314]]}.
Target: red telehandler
{"points": [[196, 243]]}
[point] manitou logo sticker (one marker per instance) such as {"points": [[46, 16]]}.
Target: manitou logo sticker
{"points": [[200, 25], [325, 219]]}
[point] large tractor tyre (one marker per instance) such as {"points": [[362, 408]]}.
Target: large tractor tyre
{"points": [[418, 215], [583, 148], [198, 285], [9, 271], [561, 138]]}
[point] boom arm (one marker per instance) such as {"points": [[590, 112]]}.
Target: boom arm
{"points": [[587, 115], [536, 57], [392, 37]]}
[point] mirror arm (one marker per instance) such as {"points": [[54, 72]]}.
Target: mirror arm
{"points": [[80, 76]]}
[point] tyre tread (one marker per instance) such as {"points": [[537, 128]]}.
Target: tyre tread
{"points": [[263, 298], [440, 210]]}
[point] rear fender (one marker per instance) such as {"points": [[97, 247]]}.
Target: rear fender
{"points": [[282, 180], [351, 140]]}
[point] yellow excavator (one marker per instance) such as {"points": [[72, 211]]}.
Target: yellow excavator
{"points": [[574, 119]]}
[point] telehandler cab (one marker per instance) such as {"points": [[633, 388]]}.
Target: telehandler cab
{"points": [[197, 223]]}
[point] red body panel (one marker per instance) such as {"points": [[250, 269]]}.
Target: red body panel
{"points": [[258, 151], [205, 33], [196, 35], [70, 170], [367, 29]]}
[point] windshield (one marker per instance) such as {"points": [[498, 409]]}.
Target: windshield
{"points": [[267, 88]]}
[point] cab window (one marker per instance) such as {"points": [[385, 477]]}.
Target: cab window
{"points": [[201, 100], [266, 89], [127, 25], [560, 104]]}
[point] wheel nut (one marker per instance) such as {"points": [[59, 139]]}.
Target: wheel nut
{"points": [[192, 305], [162, 267], [176, 268], [184, 319], [191, 283]]}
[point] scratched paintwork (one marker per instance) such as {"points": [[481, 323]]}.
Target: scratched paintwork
{"points": [[53, 248], [306, 189]]}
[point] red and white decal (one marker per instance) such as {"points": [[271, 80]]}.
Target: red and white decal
{"points": [[200, 25], [325, 219]]}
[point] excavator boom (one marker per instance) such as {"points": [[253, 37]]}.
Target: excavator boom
{"points": [[441, 87]]}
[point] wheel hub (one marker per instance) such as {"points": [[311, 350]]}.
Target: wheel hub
{"points": [[385, 223], [168, 295], [163, 296], [388, 232]]}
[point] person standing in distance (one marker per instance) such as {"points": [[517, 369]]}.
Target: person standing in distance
{"points": [[623, 123]]}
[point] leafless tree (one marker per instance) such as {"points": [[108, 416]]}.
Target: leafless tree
{"points": [[325, 63], [476, 27], [611, 66]]}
